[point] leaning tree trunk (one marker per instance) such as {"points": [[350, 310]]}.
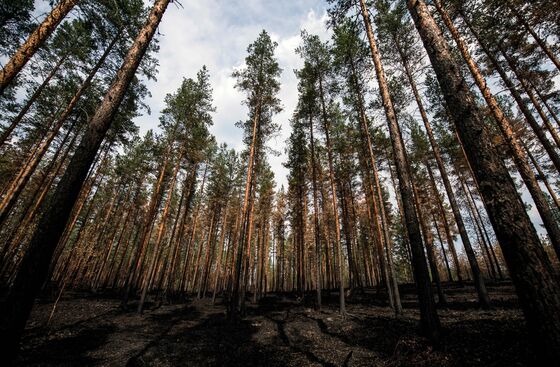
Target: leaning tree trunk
{"points": [[436, 225], [379, 217], [429, 242], [479, 282], [219, 273], [542, 44], [445, 223], [483, 230], [25, 173], [543, 177], [33, 272], [539, 132], [15, 122], [536, 281], [33, 42], [516, 150], [428, 315], [150, 274]]}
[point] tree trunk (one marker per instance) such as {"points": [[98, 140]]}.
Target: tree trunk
{"points": [[37, 200], [401, 214], [15, 122], [148, 278], [234, 299], [218, 273], [542, 176], [479, 283], [21, 179], [208, 254], [379, 217], [33, 42], [517, 152], [248, 242], [429, 242], [484, 232], [539, 132], [334, 200], [15, 309], [532, 273], [436, 224], [317, 228], [179, 225], [533, 34], [441, 210], [478, 231], [428, 315]]}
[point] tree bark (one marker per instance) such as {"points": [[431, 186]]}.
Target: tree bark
{"points": [[33, 42], [536, 281], [428, 315], [517, 152], [15, 309], [334, 199]]}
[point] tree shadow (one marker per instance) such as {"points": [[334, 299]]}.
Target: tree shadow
{"points": [[91, 334], [379, 334], [212, 341], [488, 342], [43, 329], [295, 345], [68, 351], [483, 342]]}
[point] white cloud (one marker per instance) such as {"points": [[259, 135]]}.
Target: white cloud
{"points": [[216, 33]]}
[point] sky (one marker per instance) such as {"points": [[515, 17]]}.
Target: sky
{"points": [[216, 33]]}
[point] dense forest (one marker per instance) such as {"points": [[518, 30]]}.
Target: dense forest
{"points": [[419, 223]]}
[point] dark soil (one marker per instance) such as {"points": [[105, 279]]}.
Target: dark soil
{"points": [[282, 330]]}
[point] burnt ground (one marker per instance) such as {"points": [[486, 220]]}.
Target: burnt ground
{"points": [[281, 330]]}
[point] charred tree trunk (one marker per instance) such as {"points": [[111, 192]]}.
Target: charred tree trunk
{"points": [[15, 309], [517, 152], [531, 271], [428, 315]]}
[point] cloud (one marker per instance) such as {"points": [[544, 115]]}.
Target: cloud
{"points": [[216, 33]]}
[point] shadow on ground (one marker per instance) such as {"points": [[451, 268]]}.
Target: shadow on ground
{"points": [[281, 330]]}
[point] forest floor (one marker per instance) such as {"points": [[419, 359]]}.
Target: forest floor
{"points": [[281, 330]]}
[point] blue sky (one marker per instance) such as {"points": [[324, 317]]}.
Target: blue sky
{"points": [[216, 33]]}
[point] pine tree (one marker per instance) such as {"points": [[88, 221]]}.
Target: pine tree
{"points": [[33, 42], [429, 318], [34, 268], [259, 80], [532, 273]]}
